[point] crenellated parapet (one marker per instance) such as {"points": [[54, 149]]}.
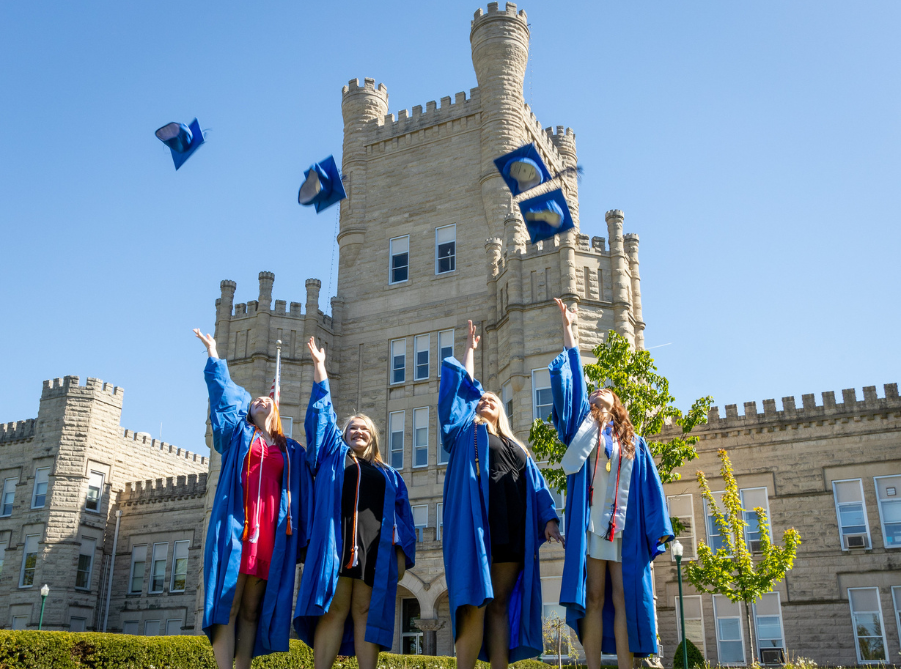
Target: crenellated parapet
{"points": [[144, 440], [17, 430], [494, 13], [409, 121], [171, 488], [94, 388]]}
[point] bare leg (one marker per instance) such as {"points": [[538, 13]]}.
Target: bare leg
{"points": [[503, 580], [330, 629], [248, 619], [620, 626], [224, 635], [593, 622], [470, 629], [367, 653]]}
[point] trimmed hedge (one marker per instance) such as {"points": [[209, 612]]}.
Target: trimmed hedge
{"points": [[695, 656], [94, 650]]}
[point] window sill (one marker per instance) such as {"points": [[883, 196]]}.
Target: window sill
{"points": [[397, 284], [441, 275]]}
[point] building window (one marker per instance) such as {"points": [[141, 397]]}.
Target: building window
{"points": [[694, 622], [398, 360], [20, 622], [866, 615], [682, 507], [39, 498], [29, 561], [138, 562], [752, 498], [550, 592], [507, 399], [421, 351], [421, 437], [896, 600], [151, 628], [445, 249], [560, 508], [399, 249], [9, 494], [714, 539], [179, 566], [853, 528], [85, 563], [730, 645], [888, 491], [173, 627], [4, 544], [130, 627], [411, 636], [77, 624], [420, 519], [445, 345], [767, 613], [542, 401], [158, 567], [396, 438], [95, 492], [287, 426], [439, 522]]}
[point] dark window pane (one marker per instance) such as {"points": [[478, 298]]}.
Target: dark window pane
{"points": [[446, 257]]}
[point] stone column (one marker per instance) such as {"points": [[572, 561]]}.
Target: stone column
{"points": [[514, 229], [429, 627], [622, 322], [631, 244]]}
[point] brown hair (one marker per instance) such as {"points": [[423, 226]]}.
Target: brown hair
{"points": [[622, 425], [375, 455], [274, 427]]}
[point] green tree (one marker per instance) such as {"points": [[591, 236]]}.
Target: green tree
{"points": [[559, 639], [732, 571]]}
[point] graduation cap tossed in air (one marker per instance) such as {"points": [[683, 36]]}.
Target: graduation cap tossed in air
{"points": [[322, 185], [546, 215], [182, 140], [522, 169]]}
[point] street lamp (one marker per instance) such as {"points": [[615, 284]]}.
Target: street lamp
{"points": [[677, 553], [44, 592]]}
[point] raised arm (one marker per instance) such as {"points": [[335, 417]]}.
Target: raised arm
{"points": [[458, 396], [228, 402], [472, 343], [568, 389], [568, 317], [321, 423]]}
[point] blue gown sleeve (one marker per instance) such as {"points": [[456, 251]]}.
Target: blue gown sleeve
{"points": [[458, 396], [656, 518], [569, 393], [546, 506], [228, 403], [403, 514], [321, 426]]}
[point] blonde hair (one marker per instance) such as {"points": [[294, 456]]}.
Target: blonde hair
{"points": [[273, 424], [503, 423], [374, 455]]}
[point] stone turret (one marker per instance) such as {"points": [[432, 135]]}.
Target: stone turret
{"points": [[619, 269], [631, 244], [565, 141]]}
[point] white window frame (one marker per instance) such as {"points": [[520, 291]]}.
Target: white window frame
{"points": [[391, 255], [154, 560], [158, 626], [560, 508], [709, 520], [175, 546], [37, 482], [741, 633], [131, 627], [391, 433], [99, 494], [838, 516], [131, 572], [417, 428], [703, 647], [896, 603], [439, 524], [878, 612], [879, 501], [88, 548], [536, 388], [25, 554], [5, 492], [4, 544], [453, 256], [84, 623], [442, 334], [287, 426], [392, 368], [754, 616], [417, 349], [180, 623], [420, 527], [694, 528], [507, 400], [547, 607], [414, 635], [747, 512]]}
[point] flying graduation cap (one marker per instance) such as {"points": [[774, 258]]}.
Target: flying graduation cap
{"points": [[322, 185], [182, 140], [546, 215], [522, 169]]}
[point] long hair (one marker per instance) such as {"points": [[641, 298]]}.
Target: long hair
{"points": [[274, 427], [503, 423], [622, 425], [374, 455]]}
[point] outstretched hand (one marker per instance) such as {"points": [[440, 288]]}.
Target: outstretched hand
{"points": [[569, 317], [209, 342], [552, 532], [318, 354], [472, 340]]}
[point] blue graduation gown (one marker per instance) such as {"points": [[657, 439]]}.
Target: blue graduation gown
{"points": [[467, 544], [326, 453], [232, 434], [647, 521]]}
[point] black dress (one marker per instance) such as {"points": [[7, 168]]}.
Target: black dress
{"points": [[506, 499], [369, 510]]}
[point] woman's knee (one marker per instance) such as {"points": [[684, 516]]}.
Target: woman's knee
{"points": [[594, 598], [359, 608], [250, 610]]}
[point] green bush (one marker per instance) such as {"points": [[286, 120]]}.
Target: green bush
{"points": [[695, 656]]}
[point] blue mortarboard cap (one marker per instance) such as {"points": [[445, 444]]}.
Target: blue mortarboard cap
{"points": [[522, 169], [546, 215], [322, 185], [182, 140]]}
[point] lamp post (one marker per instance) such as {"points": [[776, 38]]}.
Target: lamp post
{"points": [[677, 553], [44, 592]]}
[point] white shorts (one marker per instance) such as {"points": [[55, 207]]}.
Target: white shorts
{"points": [[601, 549]]}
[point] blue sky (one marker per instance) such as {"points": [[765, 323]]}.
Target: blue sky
{"points": [[754, 147]]}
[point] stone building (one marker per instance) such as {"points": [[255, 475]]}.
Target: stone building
{"points": [[61, 474]]}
